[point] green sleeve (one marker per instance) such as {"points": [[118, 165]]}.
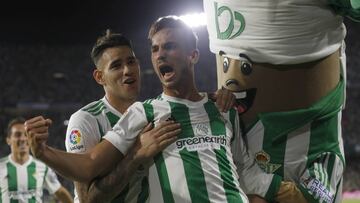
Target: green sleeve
{"points": [[349, 8], [310, 198], [273, 188]]}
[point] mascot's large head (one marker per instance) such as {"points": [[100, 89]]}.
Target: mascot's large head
{"points": [[236, 75], [263, 74], [234, 69]]}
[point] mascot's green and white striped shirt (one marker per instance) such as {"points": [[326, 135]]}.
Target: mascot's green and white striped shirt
{"points": [[208, 162], [302, 145]]}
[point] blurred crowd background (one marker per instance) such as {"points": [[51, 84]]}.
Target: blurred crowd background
{"points": [[55, 79]]}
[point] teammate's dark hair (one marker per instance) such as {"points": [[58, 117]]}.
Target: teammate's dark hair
{"points": [[176, 23], [108, 40], [18, 120]]}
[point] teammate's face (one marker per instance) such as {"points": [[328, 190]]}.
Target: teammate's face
{"points": [[171, 59], [17, 139], [120, 73]]}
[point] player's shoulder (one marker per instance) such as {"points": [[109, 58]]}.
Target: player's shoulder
{"points": [[3, 168], [153, 100], [89, 111], [4, 160], [149, 104], [135, 106], [93, 109], [148, 101], [40, 166], [38, 162], [81, 118]]}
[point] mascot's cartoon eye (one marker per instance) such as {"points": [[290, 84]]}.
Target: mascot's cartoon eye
{"points": [[246, 67], [226, 64], [246, 64]]}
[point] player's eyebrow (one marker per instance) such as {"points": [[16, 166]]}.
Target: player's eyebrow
{"points": [[116, 61]]}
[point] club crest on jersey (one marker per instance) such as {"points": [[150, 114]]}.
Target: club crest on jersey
{"points": [[263, 160], [201, 129]]}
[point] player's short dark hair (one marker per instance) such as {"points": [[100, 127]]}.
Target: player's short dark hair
{"points": [[17, 120], [176, 23], [108, 40]]}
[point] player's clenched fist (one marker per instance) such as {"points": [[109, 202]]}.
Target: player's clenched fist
{"points": [[37, 130]]}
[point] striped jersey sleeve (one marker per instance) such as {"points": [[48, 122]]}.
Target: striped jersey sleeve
{"points": [[252, 179], [51, 182], [127, 129], [349, 8], [82, 132]]}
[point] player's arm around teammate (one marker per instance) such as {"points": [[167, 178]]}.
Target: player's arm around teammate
{"points": [[106, 188], [99, 160]]}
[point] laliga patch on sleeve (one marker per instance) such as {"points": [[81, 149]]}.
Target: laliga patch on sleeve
{"points": [[75, 141], [316, 188]]}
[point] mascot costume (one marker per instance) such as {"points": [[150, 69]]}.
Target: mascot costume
{"points": [[285, 62]]}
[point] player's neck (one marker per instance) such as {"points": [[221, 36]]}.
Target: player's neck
{"points": [[189, 93], [20, 157], [119, 104]]}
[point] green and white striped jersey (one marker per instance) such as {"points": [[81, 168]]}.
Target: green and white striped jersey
{"points": [[201, 166], [304, 146], [88, 125], [25, 183], [86, 128]]}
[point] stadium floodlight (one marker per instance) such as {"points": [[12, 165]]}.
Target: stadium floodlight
{"points": [[194, 20]]}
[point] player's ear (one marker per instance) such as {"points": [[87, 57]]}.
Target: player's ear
{"points": [[8, 140], [99, 76], [194, 56]]}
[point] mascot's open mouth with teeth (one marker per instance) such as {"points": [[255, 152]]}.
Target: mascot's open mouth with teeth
{"points": [[244, 98]]}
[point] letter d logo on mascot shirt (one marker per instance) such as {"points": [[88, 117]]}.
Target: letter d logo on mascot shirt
{"points": [[234, 21]]}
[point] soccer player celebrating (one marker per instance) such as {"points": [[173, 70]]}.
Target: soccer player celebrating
{"points": [[118, 72], [208, 161], [22, 177]]}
